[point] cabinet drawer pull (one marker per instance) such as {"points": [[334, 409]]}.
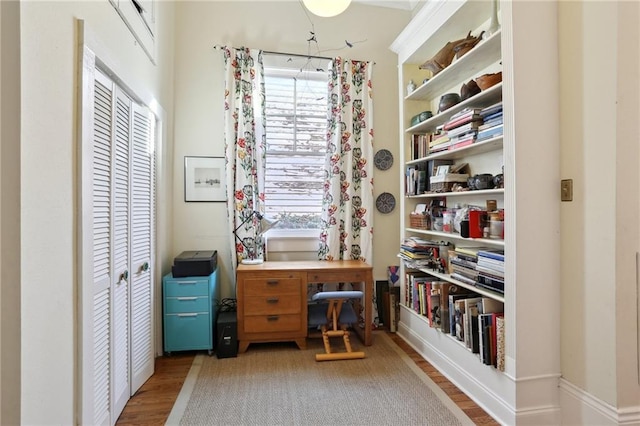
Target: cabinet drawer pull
{"points": [[187, 298], [273, 318], [273, 300], [187, 282], [272, 282], [187, 315]]}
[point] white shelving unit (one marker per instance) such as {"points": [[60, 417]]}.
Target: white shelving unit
{"points": [[531, 368]]}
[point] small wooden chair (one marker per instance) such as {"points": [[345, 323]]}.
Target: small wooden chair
{"points": [[334, 314]]}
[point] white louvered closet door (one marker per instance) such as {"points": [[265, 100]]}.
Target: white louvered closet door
{"points": [[121, 384], [142, 242], [98, 364], [116, 231]]}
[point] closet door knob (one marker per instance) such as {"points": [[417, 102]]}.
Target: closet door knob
{"points": [[145, 266], [124, 276]]}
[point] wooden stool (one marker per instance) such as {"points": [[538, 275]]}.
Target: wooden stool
{"points": [[334, 316]]}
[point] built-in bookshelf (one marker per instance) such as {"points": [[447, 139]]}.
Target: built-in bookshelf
{"points": [[511, 293]]}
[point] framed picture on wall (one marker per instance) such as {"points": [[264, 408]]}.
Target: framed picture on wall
{"points": [[204, 179]]}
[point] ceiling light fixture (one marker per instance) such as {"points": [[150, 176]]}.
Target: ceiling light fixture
{"points": [[326, 8]]}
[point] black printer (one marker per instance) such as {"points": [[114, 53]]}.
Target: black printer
{"points": [[194, 263]]}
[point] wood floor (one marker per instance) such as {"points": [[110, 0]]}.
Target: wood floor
{"points": [[152, 404]]}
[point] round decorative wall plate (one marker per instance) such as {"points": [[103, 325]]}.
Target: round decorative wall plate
{"points": [[383, 159], [386, 202]]}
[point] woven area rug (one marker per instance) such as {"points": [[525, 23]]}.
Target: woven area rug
{"points": [[278, 384]]}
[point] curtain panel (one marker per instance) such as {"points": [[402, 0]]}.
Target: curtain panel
{"points": [[244, 136], [348, 190]]}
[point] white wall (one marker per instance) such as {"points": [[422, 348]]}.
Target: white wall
{"points": [[274, 26], [49, 182], [599, 91]]}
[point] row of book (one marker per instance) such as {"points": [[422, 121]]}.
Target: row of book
{"points": [[491, 122], [464, 128], [475, 321], [478, 266]]}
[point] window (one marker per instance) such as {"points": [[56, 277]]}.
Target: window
{"points": [[296, 115]]}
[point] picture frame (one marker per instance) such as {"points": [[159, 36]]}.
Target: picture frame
{"points": [[443, 170], [204, 179]]}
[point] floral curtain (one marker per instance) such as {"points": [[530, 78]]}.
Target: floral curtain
{"points": [[244, 134], [348, 190]]}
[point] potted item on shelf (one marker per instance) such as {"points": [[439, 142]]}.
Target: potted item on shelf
{"points": [[447, 101], [419, 118], [487, 80], [483, 181], [469, 89], [498, 181]]}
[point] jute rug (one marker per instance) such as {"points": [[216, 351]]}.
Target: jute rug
{"points": [[278, 384]]}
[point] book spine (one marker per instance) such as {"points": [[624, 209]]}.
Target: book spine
{"points": [[491, 255]]}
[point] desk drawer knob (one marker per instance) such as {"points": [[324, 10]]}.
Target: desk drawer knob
{"points": [[272, 282], [273, 318], [273, 300]]}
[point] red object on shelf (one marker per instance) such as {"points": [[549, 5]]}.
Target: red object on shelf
{"points": [[477, 220]]}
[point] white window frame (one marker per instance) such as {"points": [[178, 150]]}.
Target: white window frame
{"points": [[296, 72]]}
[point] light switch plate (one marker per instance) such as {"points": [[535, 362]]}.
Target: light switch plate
{"points": [[566, 190]]}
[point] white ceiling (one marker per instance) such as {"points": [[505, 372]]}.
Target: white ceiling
{"points": [[396, 4]]}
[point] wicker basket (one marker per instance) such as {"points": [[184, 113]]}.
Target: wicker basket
{"points": [[419, 220], [444, 183]]}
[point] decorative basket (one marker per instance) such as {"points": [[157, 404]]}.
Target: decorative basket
{"points": [[419, 220]]}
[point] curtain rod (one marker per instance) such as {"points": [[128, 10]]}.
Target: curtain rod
{"points": [[298, 55]]}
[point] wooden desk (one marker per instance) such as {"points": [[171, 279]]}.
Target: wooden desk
{"points": [[272, 298]]}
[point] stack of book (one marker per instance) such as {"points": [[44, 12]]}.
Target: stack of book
{"points": [[462, 264], [420, 253], [440, 141], [490, 268], [462, 128], [491, 126]]}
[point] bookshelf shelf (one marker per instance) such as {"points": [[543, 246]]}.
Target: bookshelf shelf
{"points": [[493, 144], [481, 291], [451, 236], [497, 191], [469, 66], [483, 99]]}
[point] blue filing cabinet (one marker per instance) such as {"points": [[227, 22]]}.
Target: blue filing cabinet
{"points": [[189, 312]]}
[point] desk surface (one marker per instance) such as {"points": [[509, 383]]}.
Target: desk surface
{"points": [[307, 265]]}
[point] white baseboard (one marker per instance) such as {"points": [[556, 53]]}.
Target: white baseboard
{"points": [[494, 391], [582, 408]]}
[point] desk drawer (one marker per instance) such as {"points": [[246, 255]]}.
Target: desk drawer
{"points": [[276, 304], [182, 304], [271, 323], [272, 286], [187, 287], [334, 277]]}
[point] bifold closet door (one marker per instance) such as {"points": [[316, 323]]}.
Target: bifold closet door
{"points": [[142, 239], [116, 232], [121, 287]]}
